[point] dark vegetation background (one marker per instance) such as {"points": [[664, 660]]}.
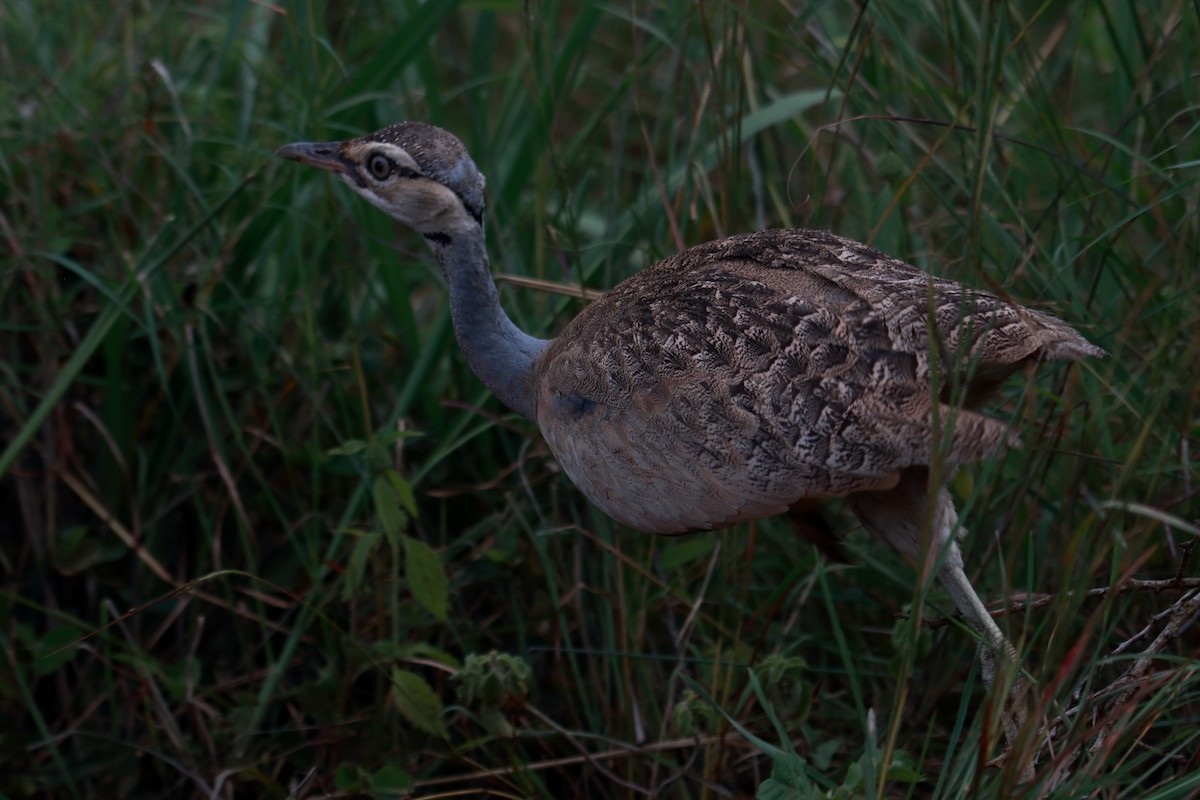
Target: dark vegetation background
{"points": [[198, 342]]}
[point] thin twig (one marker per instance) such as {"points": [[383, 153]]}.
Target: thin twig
{"points": [[1033, 603], [683, 743], [1108, 703]]}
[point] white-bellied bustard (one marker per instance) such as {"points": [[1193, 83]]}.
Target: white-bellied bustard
{"points": [[739, 378]]}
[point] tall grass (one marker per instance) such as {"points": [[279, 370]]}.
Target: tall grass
{"points": [[207, 358]]}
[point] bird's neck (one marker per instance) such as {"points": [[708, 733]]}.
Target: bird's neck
{"points": [[499, 352]]}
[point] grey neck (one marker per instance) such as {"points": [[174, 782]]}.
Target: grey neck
{"points": [[499, 352]]}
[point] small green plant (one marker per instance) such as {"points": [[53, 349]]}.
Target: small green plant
{"points": [[783, 680], [494, 683], [693, 715], [790, 779], [389, 781], [394, 504]]}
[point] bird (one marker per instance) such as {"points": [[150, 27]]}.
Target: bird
{"points": [[740, 378]]}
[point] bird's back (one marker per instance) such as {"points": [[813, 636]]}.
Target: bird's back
{"points": [[735, 378]]}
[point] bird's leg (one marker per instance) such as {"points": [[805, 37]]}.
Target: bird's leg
{"points": [[967, 601], [962, 593], [897, 516], [995, 644]]}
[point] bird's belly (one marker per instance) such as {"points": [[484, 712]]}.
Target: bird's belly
{"points": [[653, 467], [643, 485]]}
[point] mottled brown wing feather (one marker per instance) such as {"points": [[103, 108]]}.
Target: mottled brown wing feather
{"points": [[734, 379]]}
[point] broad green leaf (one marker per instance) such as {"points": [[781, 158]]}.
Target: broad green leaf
{"points": [[788, 780], [496, 723], [902, 770], [391, 437], [410, 650], [781, 110], [356, 566], [426, 577], [822, 755], [77, 551], [54, 649], [404, 490], [417, 702], [388, 650], [387, 508], [347, 777], [686, 551], [350, 448], [854, 775], [390, 779], [377, 457]]}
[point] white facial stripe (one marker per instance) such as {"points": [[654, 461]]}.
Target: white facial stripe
{"points": [[397, 154]]}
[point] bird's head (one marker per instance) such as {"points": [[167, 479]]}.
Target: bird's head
{"points": [[416, 173]]}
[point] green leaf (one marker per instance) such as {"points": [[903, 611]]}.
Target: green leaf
{"points": [[78, 551], [410, 650], [55, 648], [404, 490], [1170, 520], [496, 723], [785, 108], [387, 508], [417, 702], [426, 577], [390, 779], [388, 650], [685, 551], [854, 775], [351, 447], [347, 777], [377, 457], [391, 437], [822, 755], [902, 769], [788, 780], [356, 566]]}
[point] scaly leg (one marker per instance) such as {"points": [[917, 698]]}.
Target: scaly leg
{"points": [[897, 516]]}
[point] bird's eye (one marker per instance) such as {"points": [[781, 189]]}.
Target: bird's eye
{"points": [[380, 166]]}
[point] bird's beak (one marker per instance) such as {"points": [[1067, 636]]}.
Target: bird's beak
{"points": [[323, 155]]}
